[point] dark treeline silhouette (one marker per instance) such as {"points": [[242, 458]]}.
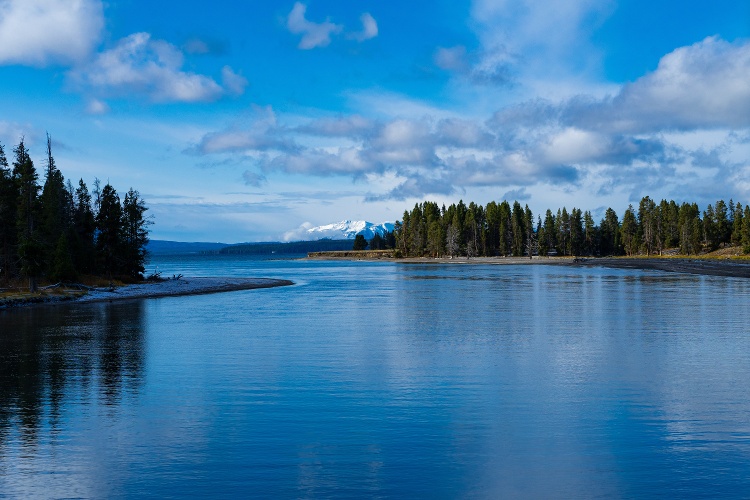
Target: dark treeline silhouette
{"points": [[58, 232], [505, 229]]}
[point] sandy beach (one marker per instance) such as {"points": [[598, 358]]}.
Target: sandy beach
{"points": [[167, 288]]}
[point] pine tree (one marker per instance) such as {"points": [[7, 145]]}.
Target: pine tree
{"points": [[135, 234], [30, 250], [687, 215], [84, 226], [629, 231], [472, 232], [505, 233], [8, 205], [610, 234], [518, 229], [589, 233], [550, 234], [723, 226], [563, 231], [377, 242], [492, 214], [360, 243], [647, 224], [530, 237], [54, 211], [737, 225], [746, 229], [710, 229], [62, 264], [108, 241], [452, 235], [435, 239], [576, 231]]}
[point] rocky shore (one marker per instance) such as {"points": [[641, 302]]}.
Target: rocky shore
{"points": [[707, 267]]}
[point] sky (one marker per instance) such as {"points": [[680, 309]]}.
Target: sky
{"points": [[250, 121]]}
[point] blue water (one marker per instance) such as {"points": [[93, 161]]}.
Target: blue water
{"points": [[384, 380]]}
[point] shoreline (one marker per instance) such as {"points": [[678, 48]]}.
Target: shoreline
{"points": [[685, 265], [149, 290], [703, 267]]}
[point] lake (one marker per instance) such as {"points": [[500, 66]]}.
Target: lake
{"points": [[374, 379]]}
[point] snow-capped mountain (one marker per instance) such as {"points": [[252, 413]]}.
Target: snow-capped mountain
{"points": [[344, 230]]}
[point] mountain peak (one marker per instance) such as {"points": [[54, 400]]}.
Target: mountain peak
{"points": [[344, 230]]}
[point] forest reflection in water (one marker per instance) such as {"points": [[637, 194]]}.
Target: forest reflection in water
{"points": [[54, 356]]}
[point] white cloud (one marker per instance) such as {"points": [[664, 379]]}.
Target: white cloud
{"points": [[42, 32], [618, 145], [233, 83], [262, 134], [11, 133], [349, 126], [140, 65], [451, 58], [369, 28], [313, 34], [704, 85], [525, 38], [96, 107], [299, 234]]}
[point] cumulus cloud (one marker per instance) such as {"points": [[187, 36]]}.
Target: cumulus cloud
{"points": [[517, 194], [369, 28], [628, 140], [234, 84], [321, 163], [261, 134], [345, 126], [313, 34], [416, 186], [140, 65], [320, 34], [42, 32], [431, 156], [704, 85]]}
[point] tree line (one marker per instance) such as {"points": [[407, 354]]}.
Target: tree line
{"points": [[57, 232], [505, 229]]}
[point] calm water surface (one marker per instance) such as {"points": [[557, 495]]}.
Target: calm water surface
{"points": [[383, 380]]}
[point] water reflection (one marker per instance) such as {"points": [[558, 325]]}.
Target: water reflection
{"points": [[55, 356], [382, 380]]}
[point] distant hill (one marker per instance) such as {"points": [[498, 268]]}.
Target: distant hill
{"points": [[163, 247], [295, 247]]}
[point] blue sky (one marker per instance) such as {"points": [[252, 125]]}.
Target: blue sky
{"points": [[246, 121]]}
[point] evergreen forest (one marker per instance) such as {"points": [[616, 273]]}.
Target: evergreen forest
{"points": [[505, 229], [57, 232]]}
